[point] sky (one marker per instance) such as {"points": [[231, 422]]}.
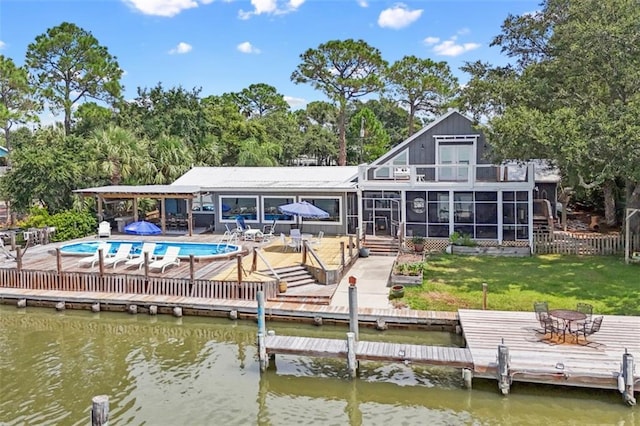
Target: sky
{"points": [[224, 46]]}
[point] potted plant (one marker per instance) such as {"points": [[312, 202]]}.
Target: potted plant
{"points": [[418, 243]]}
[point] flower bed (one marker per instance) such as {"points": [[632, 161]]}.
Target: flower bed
{"points": [[407, 270]]}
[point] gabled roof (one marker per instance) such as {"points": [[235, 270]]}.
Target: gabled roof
{"points": [[264, 179], [402, 145]]}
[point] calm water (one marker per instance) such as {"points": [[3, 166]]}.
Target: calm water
{"points": [[202, 371]]}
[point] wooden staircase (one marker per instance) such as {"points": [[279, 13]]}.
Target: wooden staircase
{"points": [[381, 246], [302, 287]]}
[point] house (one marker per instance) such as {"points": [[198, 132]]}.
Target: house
{"points": [[436, 182]]}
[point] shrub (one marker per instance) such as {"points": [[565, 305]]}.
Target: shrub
{"points": [[69, 224]]}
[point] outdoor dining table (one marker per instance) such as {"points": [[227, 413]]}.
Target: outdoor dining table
{"points": [[568, 316]]}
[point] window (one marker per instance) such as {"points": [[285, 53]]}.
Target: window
{"points": [[515, 215], [454, 154], [270, 211], [329, 205], [438, 214], [233, 206]]}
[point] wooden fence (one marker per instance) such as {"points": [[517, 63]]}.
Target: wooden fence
{"points": [[582, 244], [134, 284]]}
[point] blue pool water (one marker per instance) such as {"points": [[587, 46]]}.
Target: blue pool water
{"points": [[199, 250]]}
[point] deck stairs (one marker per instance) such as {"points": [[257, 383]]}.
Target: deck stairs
{"points": [[381, 246], [302, 287]]}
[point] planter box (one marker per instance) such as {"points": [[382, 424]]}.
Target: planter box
{"points": [[406, 280], [491, 251]]}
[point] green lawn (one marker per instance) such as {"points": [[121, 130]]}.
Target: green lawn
{"points": [[453, 282]]}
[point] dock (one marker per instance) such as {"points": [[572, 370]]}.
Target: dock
{"points": [[370, 351]]}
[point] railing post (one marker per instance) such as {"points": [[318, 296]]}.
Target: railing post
{"points": [[304, 252], [350, 248], [358, 239], [19, 258], [239, 266], [342, 261], [192, 272], [254, 261]]}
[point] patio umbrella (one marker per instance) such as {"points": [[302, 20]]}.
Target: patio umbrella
{"points": [[142, 227], [303, 209]]}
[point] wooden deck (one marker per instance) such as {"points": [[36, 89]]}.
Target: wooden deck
{"points": [[43, 258], [536, 360], [370, 351]]}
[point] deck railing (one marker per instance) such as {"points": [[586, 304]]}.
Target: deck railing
{"points": [[134, 284], [582, 244], [447, 174]]}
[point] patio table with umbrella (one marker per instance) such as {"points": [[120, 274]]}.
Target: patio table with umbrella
{"points": [[303, 209], [142, 227]]}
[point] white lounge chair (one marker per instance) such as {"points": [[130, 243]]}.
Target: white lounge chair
{"points": [[139, 260], [318, 240], [170, 258], [123, 253], [104, 229], [95, 257]]}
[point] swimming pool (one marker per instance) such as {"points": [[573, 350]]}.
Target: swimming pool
{"points": [[199, 250]]}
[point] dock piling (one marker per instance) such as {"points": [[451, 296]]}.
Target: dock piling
{"points": [[628, 379], [352, 363], [22, 303], [100, 410], [504, 380], [262, 353], [353, 307], [467, 377]]}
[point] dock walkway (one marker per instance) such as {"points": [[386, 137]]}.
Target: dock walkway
{"points": [[370, 351]]}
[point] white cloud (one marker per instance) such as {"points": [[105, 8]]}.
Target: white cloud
{"points": [[167, 8], [451, 48], [463, 31], [398, 16], [362, 3], [431, 40], [295, 102], [247, 47], [181, 48], [2, 44], [270, 7]]}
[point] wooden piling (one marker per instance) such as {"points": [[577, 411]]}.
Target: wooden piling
{"points": [[254, 260], [132, 309], [177, 312], [467, 377], [504, 379], [484, 296], [353, 307], [60, 306], [262, 328], [22, 303], [627, 376], [100, 410], [342, 254], [352, 362], [95, 307], [262, 353], [153, 310]]}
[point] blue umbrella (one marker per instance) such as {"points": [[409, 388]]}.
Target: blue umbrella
{"points": [[142, 227], [304, 209]]}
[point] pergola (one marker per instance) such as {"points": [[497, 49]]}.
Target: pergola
{"points": [[135, 192], [627, 240]]}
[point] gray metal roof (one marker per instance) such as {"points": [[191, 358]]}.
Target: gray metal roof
{"points": [[141, 190], [263, 179]]}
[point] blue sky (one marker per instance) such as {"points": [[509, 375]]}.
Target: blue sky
{"points": [[226, 45]]}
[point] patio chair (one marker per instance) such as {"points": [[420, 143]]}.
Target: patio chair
{"points": [[288, 244], [540, 307], [95, 257], [587, 329], [104, 229], [170, 258], [139, 260], [268, 231], [318, 240], [586, 309], [549, 325], [123, 253]]}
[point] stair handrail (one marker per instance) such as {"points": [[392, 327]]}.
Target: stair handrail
{"points": [[309, 249], [256, 254]]}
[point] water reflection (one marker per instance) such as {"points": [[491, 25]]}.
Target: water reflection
{"points": [[167, 371]]}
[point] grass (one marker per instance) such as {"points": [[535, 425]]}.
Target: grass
{"points": [[514, 283]]}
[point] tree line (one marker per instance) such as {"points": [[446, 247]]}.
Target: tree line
{"points": [[569, 94]]}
